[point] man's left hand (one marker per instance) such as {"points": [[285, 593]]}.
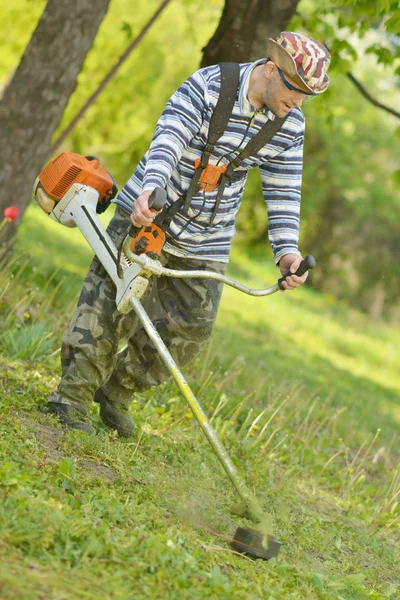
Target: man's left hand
{"points": [[289, 264]]}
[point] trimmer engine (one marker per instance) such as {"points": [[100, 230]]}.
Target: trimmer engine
{"points": [[67, 169]]}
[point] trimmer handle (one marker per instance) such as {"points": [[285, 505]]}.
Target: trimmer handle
{"points": [[305, 265], [157, 200]]}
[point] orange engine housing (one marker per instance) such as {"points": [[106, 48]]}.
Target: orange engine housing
{"points": [[69, 168]]}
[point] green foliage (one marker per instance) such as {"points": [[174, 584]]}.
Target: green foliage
{"points": [[343, 24], [350, 195], [18, 21], [67, 467], [351, 204], [393, 24], [28, 341], [28, 328]]}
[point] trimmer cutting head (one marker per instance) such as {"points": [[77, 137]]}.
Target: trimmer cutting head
{"points": [[250, 542]]}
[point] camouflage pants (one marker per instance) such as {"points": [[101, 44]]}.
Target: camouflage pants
{"points": [[182, 310]]}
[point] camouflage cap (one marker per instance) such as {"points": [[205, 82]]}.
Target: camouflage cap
{"points": [[301, 58]]}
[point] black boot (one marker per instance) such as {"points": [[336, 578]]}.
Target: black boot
{"points": [[115, 415], [69, 416]]}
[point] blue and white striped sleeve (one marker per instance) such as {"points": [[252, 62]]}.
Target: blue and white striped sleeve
{"points": [[178, 124], [281, 184]]}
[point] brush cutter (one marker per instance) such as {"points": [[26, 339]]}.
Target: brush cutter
{"points": [[73, 189]]}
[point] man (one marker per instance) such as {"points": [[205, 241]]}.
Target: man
{"points": [[268, 93]]}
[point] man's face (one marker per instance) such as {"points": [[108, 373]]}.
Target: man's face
{"points": [[278, 98]]}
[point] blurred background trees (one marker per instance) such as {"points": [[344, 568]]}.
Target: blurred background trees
{"points": [[34, 101], [351, 196]]}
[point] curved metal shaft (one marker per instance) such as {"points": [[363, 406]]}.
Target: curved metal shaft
{"points": [[227, 280], [154, 267]]}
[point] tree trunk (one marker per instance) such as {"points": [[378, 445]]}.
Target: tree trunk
{"points": [[34, 102], [244, 29]]}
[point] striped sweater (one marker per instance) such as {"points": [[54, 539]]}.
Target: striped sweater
{"points": [[179, 138]]}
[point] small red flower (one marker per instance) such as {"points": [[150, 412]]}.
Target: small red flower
{"points": [[11, 213]]}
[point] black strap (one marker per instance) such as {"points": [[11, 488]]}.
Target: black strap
{"points": [[258, 141], [230, 73]]}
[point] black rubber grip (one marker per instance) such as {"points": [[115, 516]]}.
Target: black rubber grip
{"points": [[305, 265], [157, 200]]}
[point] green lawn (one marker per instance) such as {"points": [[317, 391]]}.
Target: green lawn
{"points": [[303, 391]]}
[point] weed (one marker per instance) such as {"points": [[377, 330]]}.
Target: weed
{"points": [[27, 341]]}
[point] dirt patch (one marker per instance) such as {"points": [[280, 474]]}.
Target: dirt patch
{"points": [[93, 470], [50, 439]]}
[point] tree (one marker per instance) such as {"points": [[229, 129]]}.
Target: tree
{"points": [[34, 101], [245, 27]]}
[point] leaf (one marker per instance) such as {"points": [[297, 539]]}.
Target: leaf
{"points": [[385, 57], [296, 22], [393, 24], [373, 49], [66, 466], [340, 45], [127, 29], [341, 65], [384, 6], [338, 543]]}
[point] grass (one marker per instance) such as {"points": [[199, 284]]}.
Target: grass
{"points": [[302, 390]]}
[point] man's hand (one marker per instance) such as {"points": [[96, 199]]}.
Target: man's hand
{"points": [[289, 264], [141, 214]]}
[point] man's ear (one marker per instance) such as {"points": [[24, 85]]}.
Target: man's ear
{"points": [[269, 69]]}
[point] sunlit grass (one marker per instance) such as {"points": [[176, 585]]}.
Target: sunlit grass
{"points": [[303, 392]]}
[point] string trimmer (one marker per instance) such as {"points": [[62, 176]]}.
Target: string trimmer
{"points": [[73, 189]]}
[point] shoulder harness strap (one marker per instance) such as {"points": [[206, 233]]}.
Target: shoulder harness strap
{"points": [[258, 141], [230, 73]]}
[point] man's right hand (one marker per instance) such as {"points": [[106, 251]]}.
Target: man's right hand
{"points": [[141, 214]]}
